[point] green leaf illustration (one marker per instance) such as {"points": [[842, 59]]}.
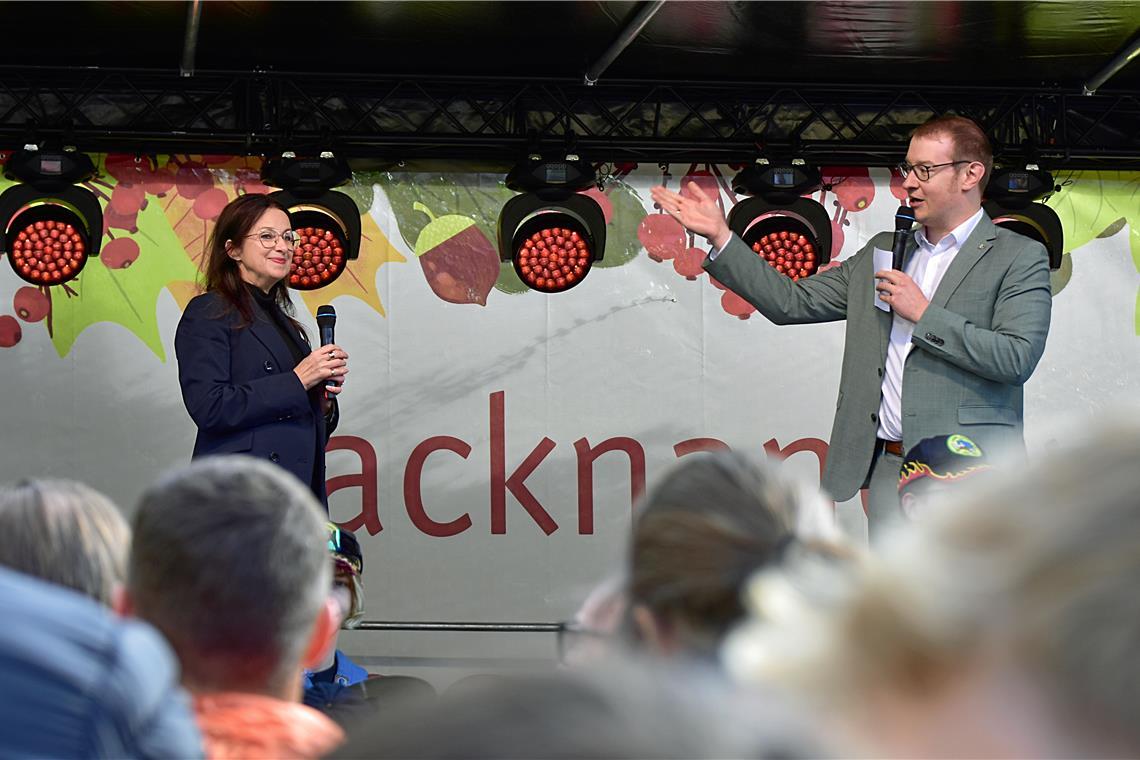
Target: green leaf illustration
{"points": [[126, 296], [622, 245]]}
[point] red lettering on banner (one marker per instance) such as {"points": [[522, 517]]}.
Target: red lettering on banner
{"points": [[413, 495], [586, 457], [366, 481], [516, 483], [814, 445], [693, 445]]}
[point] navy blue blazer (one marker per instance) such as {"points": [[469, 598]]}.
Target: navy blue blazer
{"points": [[239, 387]]}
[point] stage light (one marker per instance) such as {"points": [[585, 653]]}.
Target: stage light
{"points": [[49, 226], [327, 221], [1010, 202], [791, 233], [551, 233]]}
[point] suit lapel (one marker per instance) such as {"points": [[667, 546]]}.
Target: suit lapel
{"points": [[971, 252], [271, 339], [886, 318]]}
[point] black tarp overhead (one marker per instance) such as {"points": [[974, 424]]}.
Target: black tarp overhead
{"points": [[1006, 43], [467, 79]]}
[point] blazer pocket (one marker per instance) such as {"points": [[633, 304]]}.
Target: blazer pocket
{"points": [[986, 415], [240, 442]]}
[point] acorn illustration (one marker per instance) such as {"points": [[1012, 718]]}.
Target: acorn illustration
{"points": [[460, 263]]}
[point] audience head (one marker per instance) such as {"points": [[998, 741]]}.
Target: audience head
{"points": [[622, 710], [66, 533], [348, 567], [78, 681], [713, 521], [1003, 624], [229, 561], [934, 465]]}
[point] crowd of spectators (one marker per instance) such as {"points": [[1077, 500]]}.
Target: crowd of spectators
{"points": [[998, 620]]}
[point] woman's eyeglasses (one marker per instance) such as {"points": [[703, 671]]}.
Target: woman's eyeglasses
{"points": [[268, 238]]}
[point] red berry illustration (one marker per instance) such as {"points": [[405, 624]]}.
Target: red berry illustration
{"points": [[897, 188], [127, 200], [193, 179], [662, 235], [10, 332], [856, 191], [120, 253], [735, 305], [603, 201], [688, 263], [210, 203], [31, 304]]}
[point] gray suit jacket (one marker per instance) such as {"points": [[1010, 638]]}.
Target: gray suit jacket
{"points": [[978, 342]]}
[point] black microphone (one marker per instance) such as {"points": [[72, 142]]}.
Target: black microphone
{"points": [[326, 323], [904, 220]]}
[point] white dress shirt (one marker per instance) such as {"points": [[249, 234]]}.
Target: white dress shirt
{"points": [[926, 267]]}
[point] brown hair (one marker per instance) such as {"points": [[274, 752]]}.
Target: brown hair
{"points": [[700, 535], [970, 141], [65, 533], [222, 275]]}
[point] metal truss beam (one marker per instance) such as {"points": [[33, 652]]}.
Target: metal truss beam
{"points": [[497, 119]]}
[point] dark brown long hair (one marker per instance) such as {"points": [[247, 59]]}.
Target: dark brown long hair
{"points": [[222, 274]]}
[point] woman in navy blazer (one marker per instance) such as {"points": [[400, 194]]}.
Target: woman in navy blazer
{"points": [[250, 379]]}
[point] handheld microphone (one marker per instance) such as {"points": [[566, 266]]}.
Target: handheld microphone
{"points": [[904, 220], [326, 323]]}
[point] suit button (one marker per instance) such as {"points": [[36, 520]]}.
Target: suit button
{"points": [[274, 457], [880, 371], [874, 417], [269, 365]]}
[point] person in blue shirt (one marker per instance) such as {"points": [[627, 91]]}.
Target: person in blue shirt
{"points": [[326, 682]]}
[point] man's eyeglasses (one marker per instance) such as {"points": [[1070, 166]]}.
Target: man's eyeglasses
{"points": [[268, 238], [923, 171]]}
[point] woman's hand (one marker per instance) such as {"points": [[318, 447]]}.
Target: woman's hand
{"points": [[326, 363]]}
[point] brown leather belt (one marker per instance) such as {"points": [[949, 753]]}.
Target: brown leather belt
{"points": [[892, 447]]}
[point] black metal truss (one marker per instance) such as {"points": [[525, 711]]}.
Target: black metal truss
{"points": [[497, 119]]}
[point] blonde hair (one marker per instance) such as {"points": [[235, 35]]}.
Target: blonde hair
{"points": [[66, 533], [1038, 567]]}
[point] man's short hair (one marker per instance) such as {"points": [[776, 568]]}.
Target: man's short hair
{"points": [[940, 459], [970, 141], [229, 562]]}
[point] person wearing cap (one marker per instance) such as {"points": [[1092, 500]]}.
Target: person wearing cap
{"points": [[324, 681], [969, 315], [935, 464]]}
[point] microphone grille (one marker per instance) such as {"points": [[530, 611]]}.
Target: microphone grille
{"points": [[326, 313], [904, 218]]}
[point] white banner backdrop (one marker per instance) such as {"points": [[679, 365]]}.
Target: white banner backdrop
{"points": [[489, 454]]}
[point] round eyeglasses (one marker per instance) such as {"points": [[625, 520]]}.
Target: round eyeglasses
{"points": [[268, 238]]}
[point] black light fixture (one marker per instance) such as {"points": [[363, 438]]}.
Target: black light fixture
{"points": [[789, 232], [327, 221], [551, 233], [49, 225], [1010, 202]]}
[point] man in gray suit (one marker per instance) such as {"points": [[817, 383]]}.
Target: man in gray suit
{"points": [[967, 322]]}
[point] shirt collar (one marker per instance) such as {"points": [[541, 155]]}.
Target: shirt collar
{"points": [[955, 238]]}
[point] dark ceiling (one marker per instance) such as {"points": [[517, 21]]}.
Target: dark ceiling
{"points": [[703, 80], [948, 42]]}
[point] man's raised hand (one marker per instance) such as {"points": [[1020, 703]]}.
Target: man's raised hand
{"points": [[699, 213]]}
